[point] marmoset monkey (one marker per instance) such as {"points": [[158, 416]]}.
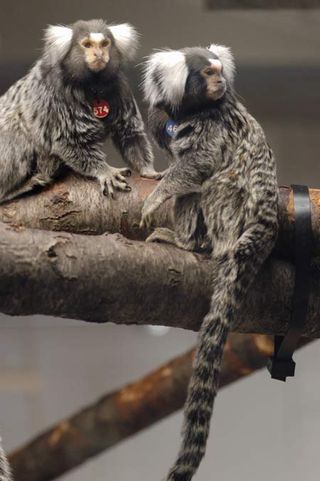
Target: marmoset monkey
{"points": [[62, 111], [224, 181]]}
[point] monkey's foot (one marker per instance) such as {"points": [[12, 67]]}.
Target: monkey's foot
{"points": [[37, 181], [114, 179], [151, 174], [41, 180], [168, 236], [163, 234]]}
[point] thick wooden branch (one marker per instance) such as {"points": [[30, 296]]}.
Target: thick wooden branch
{"points": [[75, 204], [123, 413], [109, 278], [264, 4]]}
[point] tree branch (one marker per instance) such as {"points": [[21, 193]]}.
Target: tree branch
{"points": [[75, 204], [123, 413], [112, 279]]}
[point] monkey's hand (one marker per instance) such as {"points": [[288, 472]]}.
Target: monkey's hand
{"points": [[114, 179], [150, 205], [150, 173]]}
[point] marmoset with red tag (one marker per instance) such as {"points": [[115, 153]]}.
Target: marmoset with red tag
{"points": [[62, 111]]}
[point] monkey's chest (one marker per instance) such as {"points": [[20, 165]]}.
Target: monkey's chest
{"points": [[100, 109], [104, 114]]}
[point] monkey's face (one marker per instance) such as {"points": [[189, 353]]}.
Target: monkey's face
{"points": [[188, 80], [215, 83], [96, 51], [90, 51], [205, 80]]}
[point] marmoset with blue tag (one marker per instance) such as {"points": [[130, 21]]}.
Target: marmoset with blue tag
{"points": [[63, 110], [223, 180]]}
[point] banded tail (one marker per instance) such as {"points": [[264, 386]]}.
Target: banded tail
{"points": [[204, 382], [233, 275]]}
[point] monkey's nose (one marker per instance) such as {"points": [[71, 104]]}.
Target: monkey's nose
{"points": [[98, 55], [221, 81]]}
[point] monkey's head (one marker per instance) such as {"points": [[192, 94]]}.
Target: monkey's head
{"points": [[89, 47], [188, 79]]}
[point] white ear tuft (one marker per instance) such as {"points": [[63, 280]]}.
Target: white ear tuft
{"points": [[126, 39], [227, 60], [165, 76], [57, 43]]}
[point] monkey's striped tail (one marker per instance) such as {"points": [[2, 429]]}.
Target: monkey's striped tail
{"points": [[204, 382], [5, 473]]}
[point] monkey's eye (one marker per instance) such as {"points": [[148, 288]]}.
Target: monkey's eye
{"points": [[86, 44], [209, 71], [105, 43]]}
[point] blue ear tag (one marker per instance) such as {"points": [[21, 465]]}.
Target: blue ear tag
{"points": [[171, 128]]}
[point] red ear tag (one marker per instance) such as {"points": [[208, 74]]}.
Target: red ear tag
{"points": [[100, 108]]}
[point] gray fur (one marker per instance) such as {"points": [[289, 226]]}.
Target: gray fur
{"points": [[5, 473], [224, 180], [46, 119]]}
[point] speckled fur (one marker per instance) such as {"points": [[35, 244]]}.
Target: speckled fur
{"points": [[46, 118], [223, 177], [5, 473]]}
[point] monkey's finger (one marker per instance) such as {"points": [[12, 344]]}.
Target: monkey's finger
{"points": [[121, 185], [121, 178], [148, 221], [104, 189], [153, 175], [142, 224], [108, 189], [125, 171]]}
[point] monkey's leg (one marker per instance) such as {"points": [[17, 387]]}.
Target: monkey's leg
{"points": [[47, 170], [188, 222], [163, 234], [38, 180]]}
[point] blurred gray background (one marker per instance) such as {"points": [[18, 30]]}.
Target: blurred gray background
{"points": [[50, 367]]}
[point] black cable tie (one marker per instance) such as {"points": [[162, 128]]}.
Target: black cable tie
{"points": [[281, 365]]}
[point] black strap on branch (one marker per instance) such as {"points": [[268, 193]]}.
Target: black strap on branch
{"points": [[281, 365]]}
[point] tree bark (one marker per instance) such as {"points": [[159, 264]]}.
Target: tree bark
{"points": [[123, 413], [109, 278], [74, 204]]}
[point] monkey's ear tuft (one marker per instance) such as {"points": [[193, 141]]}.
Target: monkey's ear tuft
{"points": [[225, 55], [126, 39], [57, 41], [165, 76]]}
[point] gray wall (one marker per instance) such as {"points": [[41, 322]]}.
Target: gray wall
{"points": [[49, 367]]}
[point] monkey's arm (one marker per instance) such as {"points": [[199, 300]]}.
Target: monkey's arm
{"points": [[88, 159], [183, 177], [157, 120], [131, 140]]}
